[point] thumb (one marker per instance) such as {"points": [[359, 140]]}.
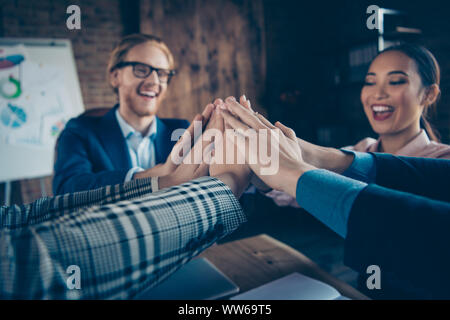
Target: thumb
{"points": [[186, 138]]}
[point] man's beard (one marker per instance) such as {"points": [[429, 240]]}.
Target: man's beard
{"points": [[144, 111]]}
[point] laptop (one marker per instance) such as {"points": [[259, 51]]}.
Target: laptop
{"points": [[294, 286], [199, 279]]}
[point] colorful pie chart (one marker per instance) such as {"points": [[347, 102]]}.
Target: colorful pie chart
{"points": [[11, 61], [13, 116], [10, 88]]}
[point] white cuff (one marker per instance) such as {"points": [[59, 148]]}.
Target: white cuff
{"points": [[131, 173], [155, 184]]}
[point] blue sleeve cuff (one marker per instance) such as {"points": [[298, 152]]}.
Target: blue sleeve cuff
{"points": [[329, 197], [363, 167], [131, 173]]}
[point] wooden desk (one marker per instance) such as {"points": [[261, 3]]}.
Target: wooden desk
{"points": [[254, 261]]}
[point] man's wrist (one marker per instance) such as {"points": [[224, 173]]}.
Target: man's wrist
{"points": [[140, 175], [132, 173], [165, 182], [157, 170]]}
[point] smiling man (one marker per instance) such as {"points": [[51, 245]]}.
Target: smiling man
{"points": [[129, 139]]}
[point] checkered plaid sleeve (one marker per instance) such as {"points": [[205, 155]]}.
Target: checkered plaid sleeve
{"points": [[118, 249], [48, 208]]}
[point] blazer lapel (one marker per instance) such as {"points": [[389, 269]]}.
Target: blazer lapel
{"points": [[163, 144], [113, 141]]}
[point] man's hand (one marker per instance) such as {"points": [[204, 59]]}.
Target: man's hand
{"points": [[174, 171], [185, 171], [185, 144], [193, 164]]}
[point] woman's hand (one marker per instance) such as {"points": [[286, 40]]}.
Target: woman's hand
{"points": [[285, 155], [255, 180], [240, 173]]}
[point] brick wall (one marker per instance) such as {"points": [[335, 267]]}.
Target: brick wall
{"points": [[101, 28], [218, 47]]}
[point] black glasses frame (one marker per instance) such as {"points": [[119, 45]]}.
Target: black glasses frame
{"points": [[168, 72]]}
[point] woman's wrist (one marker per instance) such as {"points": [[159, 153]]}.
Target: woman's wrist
{"points": [[335, 160], [289, 178], [312, 154], [325, 158]]}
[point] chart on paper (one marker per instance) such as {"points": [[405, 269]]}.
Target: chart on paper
{"points": [[39, 93]]}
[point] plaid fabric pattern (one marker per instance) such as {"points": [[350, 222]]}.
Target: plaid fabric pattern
{"points": [[124, 238]]}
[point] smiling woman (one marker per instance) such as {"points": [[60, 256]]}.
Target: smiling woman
{"points": [[401, 86]]}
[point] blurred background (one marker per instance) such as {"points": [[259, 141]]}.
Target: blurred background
{"points": [[299, 62]]}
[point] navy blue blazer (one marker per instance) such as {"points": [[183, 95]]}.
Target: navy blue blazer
{"points": [[402, 224], [91, 152]]}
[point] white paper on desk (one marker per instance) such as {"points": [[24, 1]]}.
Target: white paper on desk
{"points": [[292, 287]]}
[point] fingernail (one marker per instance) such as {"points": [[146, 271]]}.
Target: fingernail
{"points": [[243, 96], [230, 99]]}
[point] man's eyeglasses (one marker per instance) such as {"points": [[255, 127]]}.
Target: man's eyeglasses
{"points": [[142, 70]]}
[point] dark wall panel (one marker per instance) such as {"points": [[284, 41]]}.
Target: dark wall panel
{"points": [[218, 46]]}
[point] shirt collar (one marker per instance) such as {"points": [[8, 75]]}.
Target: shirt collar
{"points": [[411, 148], [416, 144], [128, 131]]}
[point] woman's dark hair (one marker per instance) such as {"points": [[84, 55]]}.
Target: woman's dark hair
{"points": [[429, 73]]}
